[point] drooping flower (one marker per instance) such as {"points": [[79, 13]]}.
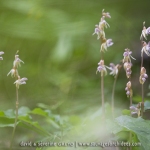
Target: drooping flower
{"points": [[20, 81], [13, 72], [143, 75], [105, 44], [145, 32], [1, 53], [135, 111], [107, 14], [99, 32], [128, 89], [103, 23], [146, 48], [101, 68], [127, 56], [114, 69], [127, 67], [17, 62]]}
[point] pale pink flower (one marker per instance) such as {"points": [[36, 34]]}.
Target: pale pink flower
{"points": [[17, 62], [127, 56], [13, 72], [146, 48], [106, 44], [114, 69], [20, 81], [101, 68]]}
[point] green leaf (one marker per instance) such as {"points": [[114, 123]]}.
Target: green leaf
{"points": [[26, 120], [7, 122], [2, 113], [23, 111], [39, 111], [53, 123], [139, 126], [9, 113], [147, 105]]}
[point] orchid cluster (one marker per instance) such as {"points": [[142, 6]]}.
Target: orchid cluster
{"points": [[14, 72], [105, 43], [146, 49], [99, 30], [127, 67]]}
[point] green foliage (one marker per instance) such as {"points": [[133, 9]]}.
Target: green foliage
{"points": [[138, 127]]}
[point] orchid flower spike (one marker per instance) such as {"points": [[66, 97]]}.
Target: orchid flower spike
{"points": [[101, 68], [146, 48], [127, 56], [20, 81], [105, 44]]}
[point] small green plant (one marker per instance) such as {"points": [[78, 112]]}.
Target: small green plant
{"points": [[19, 81]]}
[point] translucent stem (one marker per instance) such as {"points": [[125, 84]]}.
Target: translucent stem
{"points": [[102, 88], [102, 94], [113, 93], [16, 118], [142, 104], [142, 88]]}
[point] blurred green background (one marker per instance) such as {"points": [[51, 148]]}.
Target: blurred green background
{"points": [[54, 39]]}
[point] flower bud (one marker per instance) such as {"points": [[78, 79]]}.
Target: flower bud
{"points": [[143, 75]]}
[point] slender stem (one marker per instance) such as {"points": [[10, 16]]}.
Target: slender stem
{"points": [[130, 101], [113, 93], [142, 60], [142, 104], [102, 94], [132, 93], [102, 85], [16, 118]]}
